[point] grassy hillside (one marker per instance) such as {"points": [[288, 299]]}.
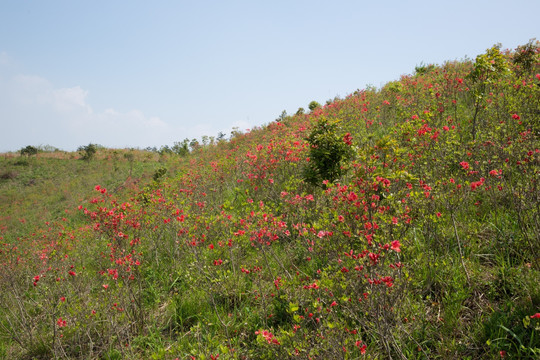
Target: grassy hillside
{"points": [[400, 222], [48, 185]]}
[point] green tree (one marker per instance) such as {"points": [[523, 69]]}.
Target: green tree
{"points": [[526, 56], [221, 136], [181, 148], [327, 153], [282, 117], [29, 151], [487, 69], [87, 152], [313, 105]]}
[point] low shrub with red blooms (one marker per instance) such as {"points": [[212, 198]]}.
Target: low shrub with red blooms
{"points": [[371, 225]]}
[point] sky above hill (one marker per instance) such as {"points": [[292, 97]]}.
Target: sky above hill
{"points": [[149, 73]]}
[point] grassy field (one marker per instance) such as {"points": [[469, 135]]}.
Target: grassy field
{"points": [[400, 222]]}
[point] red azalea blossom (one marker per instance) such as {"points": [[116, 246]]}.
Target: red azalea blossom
{"points": [[347, 139], [535, 316], [268, 336], [395, 246]]}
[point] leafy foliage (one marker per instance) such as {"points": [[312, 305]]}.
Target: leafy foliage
{"points": [[327, 154], [29, 151], [87, 152], [313, 105]]}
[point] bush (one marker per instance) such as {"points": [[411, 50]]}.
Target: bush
{"points": [[87, 152], [181, 148], [29, 151], [327, 152], [314, 105]]}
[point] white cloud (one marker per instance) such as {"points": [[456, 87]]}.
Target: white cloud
{"points": [[27, 89], [71, 99], [33, 111]]}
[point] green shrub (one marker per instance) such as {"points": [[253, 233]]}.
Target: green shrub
{"points": [[327, 153], [314, 105], [87, 152], [29, 151], [181, 148]]}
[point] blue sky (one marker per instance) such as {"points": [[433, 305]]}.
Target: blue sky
{"points": [[149, 73]]}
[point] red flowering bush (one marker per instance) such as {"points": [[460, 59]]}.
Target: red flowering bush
{"points": [[401, 222]]}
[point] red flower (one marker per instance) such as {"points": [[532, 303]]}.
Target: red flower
{"points": [[464, 164], [268, 336], [395, 246], [535, 316], [61, 322], [516, 117], [347, 139]]}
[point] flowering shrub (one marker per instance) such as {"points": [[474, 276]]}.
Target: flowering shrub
{"points": [[419, 238]]}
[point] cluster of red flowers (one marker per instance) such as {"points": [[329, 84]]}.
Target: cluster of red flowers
{"points": [[268, 336]]}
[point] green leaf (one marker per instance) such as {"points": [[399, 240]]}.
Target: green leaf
{"points": [[293, 307], [526, 321]]}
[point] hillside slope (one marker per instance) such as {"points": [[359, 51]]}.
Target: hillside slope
{"points": [[395, 223]]}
